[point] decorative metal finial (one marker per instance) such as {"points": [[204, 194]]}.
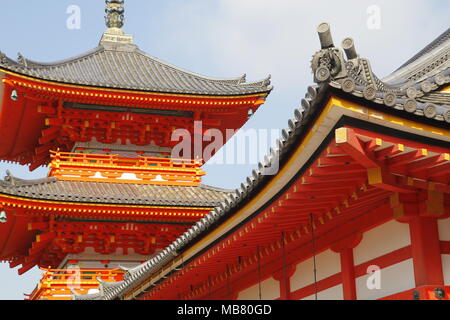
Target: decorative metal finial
{"points": [[115, 19], [114, 13]]}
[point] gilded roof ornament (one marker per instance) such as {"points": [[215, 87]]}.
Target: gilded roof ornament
{"points": [[114, 20], [114, 13]]}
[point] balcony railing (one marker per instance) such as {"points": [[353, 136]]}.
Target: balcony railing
{"points": [[112, 168], [57, 284]]}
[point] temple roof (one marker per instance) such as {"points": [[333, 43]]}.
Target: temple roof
{"points": [[118, 65], [414, 88], [112, 193], [298, 125], [433, 52]]}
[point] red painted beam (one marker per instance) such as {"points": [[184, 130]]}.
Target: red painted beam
{"points": [[46, 109], [405, 158], [348, 274], [45, 237], [27, 267], [426, 251], [387, 152], [335, 161], [384, 261], [347, 140]]}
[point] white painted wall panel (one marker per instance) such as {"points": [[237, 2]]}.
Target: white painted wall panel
{"points": [[333, 293], [394, 279], [444, 229], [381, 240], [446, 268], [327, 264], [270, 290]]}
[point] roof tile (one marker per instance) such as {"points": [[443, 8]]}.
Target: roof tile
{"points": [[127, 67]]}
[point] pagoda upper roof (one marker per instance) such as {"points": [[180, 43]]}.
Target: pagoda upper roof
{"points": [[120, 65], [52, 189]]}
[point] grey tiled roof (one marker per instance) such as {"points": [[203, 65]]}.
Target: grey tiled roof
{"points": [[428, 50], [112, 193], [413, 88], [125, 66], [298, 125]]}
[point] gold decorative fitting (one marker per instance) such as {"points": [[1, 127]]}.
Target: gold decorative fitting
{"points": [[114, 13]]}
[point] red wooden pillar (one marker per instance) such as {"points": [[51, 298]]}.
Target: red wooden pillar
{"points": [[345, 248], [348, 274], [426, 251], [422, 211], [284, 277], [233, 296]]}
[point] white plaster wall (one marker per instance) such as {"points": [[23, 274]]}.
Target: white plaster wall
{"points": [[444, 235], [333, 293], [444, 229], [394, 279], [328, 263], [381, 240], [270, 290], [446, 268]]}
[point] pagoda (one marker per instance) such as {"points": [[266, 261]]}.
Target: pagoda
{"points": [[103, 122]]}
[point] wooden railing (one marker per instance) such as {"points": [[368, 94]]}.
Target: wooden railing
{"points": [[56, 284], [112, 168]]}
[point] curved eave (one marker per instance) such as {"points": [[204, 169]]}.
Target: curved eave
{"points": [[440, 118], [86, 210], [256, 93], [15, 237]]}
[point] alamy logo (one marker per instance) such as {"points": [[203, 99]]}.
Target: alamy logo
{"points": [[246, 147], [374, 18], [73, 22], [74, 278], [374, 279]]}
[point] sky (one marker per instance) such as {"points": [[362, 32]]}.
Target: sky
{"points": [[225, 39]]}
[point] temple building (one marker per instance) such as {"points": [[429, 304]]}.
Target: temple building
{"points": [[359, 209], [116, 193], [353, 202]]}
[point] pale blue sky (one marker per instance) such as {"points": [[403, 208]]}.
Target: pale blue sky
{"points": [[222, 38]]}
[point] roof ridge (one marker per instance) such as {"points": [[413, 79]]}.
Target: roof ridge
{"points": [[31, 64], [444, 37], [238, 80], [431, 59], [184, 81], [208, 187], [11, 181]]}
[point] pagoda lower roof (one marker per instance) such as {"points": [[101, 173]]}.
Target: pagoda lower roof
{"points": [[52, 189], [125, 66]]}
